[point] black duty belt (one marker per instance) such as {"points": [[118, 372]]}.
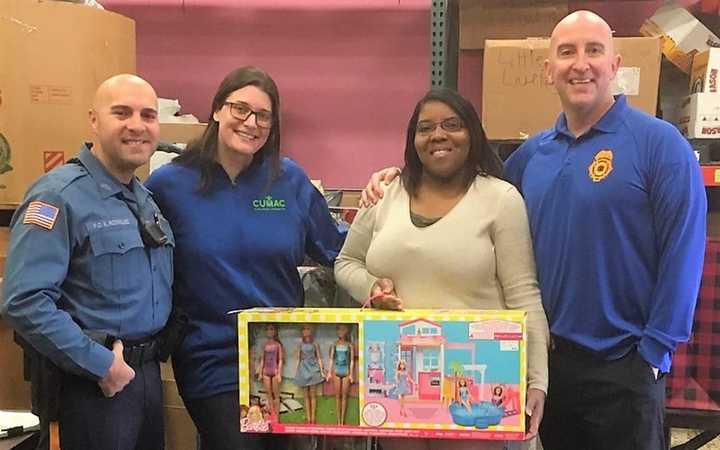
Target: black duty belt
{"points": [[561, 345], [136, 353]]}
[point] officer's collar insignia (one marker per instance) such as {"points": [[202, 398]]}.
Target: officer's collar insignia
{"points": [[41, 214]]}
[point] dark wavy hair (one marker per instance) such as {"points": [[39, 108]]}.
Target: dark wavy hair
{"points": [[202, 153], [481, 160]]}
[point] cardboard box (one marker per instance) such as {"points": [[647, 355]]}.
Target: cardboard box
{"points": [[699, 116], [166, 371], [350, 198], [4, 244], [181, 133], [681, 34], [705, 72], [507, 19], [518, 102], [14, 390], [54, 55], [415, 373], [173, 133], [180, 431]]}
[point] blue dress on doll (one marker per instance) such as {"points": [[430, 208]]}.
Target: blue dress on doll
{"points": [[308, 373], [464, 393], [403, 386], [342, 360]]}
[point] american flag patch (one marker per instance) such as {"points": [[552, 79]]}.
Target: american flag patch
{"points": [[41, 214]]}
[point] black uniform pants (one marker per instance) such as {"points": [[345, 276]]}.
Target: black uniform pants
{"points": [[131, 420], [595, 404]]}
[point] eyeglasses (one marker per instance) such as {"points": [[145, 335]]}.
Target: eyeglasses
{"points": [[451, 125], [242, 111]]}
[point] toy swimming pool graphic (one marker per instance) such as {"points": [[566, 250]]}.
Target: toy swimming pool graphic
{"points": [[483, 415]]}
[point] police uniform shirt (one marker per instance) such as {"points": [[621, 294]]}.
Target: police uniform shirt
{"points": [[77, 264]]}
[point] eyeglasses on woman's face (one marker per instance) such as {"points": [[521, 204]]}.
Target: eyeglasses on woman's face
{"points": [[243, 111], [451, 125]]}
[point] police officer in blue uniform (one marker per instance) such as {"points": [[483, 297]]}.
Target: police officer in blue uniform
{"points": [[89, 274]]}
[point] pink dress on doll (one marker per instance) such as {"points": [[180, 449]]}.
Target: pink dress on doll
{"points": [[270, 359]]}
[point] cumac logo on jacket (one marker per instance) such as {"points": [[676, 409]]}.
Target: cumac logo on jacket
{"points": [[268, 203]]}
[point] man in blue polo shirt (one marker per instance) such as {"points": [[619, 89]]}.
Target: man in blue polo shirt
{"points": [[617, 211]]}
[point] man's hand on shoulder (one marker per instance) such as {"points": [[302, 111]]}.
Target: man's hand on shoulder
{"points": [[374, 190]]}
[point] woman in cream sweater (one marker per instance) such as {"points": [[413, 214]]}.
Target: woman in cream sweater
{"points": [[449, 233]]}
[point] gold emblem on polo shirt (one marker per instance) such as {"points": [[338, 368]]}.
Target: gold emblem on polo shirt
{"points": [[601, 165]]}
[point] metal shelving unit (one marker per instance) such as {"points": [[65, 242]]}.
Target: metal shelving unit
{"points": [[444, 43]]}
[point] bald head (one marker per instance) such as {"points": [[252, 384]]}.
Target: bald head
{"points": [[583, 20], [110, 87], [125, 124], [581, 65]]}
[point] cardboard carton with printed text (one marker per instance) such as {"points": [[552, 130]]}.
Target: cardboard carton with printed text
{"points": [[55, 55]]}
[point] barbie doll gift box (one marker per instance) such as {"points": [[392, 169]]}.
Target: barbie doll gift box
{"points": [[415, 373]]}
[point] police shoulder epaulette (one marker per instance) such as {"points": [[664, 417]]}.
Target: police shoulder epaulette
{"points": [[64, 176]]}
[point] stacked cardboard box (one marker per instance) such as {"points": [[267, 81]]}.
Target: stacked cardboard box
{"points": [[681, 34], [180, 432], [173, 133], [14, 390], [699, 113], [54, 55], [518, 101], [4, 242], [507, 19]]}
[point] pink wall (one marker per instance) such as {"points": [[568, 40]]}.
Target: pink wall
{"points": [[349, 71]]}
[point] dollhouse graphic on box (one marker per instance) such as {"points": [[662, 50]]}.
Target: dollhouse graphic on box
{"points": [[427, 371], [420, 373]]}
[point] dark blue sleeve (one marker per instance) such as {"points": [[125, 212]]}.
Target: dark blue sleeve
{"points": [[514, 167], [38, 262], [323, 240], [679, 202], [157, 185], [154, 183]]}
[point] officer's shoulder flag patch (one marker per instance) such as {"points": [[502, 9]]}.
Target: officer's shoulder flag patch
{"points": [[41, 214]]}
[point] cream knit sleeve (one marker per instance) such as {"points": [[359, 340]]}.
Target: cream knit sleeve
{"points": [[350, 269], [518, 278]]}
